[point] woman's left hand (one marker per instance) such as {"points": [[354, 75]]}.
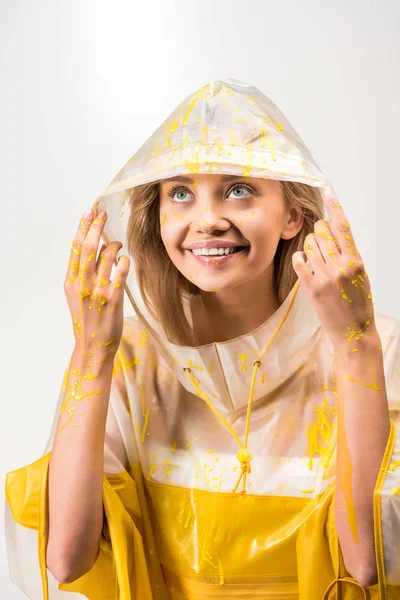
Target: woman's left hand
{"points": [[339, 287]]}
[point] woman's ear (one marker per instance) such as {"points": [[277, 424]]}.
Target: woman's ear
{"points": [[293, 224]]}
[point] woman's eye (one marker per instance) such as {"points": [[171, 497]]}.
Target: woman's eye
{"points": [[240, 187], [175, 191]]}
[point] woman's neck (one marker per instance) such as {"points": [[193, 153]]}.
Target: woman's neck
{"points": [[219, 317]]}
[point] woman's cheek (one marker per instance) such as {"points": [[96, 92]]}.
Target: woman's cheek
{"points": [[170, 236]]}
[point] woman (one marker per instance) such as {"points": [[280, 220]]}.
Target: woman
{"points": [[237, 436]]}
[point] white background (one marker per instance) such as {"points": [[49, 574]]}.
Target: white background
{"points": [[85, 83]]}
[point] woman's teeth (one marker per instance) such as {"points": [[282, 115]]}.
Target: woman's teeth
{"points": [[214, 251]]}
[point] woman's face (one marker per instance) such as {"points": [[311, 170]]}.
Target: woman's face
{"points": [[218, 211]]}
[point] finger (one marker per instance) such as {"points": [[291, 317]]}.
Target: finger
{"points": [[313, 252], [106, 261], [326, 240], [99, 258], [76, 248], [87, 267], [339, 221], [121, 273], [302, 267]]}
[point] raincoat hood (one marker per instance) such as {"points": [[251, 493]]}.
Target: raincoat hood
{"points": [[225, 127]]}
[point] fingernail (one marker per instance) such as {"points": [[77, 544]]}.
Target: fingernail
{"points": [[88, 213]]}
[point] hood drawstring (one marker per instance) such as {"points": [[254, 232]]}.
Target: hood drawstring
{"points": [[243, 455]]}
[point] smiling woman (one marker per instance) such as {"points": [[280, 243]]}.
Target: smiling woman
{"points": [[245, 442], [213, 218]]}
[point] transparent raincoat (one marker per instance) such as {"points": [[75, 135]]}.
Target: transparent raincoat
{"points": [[177, 523]]}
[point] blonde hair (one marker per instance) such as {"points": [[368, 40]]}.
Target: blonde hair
{"points": [[162, 285]]}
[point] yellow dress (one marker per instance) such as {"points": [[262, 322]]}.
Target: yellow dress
{"points": [[175, 528]]}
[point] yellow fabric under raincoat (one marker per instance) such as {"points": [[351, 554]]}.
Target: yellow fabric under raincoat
{"points": [[174, 527]]}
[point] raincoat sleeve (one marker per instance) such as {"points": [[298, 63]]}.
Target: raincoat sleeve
{"points": [[121, 569], [322, 573]]}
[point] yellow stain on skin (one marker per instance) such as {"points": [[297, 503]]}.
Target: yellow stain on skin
{"points": [[345, 296], [77, 326], [76, 392], [355, 331], [370, 385], [70, 411], [109, 342]]}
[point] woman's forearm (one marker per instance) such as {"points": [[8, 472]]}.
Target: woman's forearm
{"points": [[76, 467], [363, 431]]}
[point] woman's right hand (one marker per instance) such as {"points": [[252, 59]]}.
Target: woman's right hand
{"points": [[95, 302]]}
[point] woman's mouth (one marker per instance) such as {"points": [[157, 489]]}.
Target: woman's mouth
{"points": [[212, 259]]}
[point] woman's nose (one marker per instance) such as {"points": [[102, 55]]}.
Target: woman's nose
{"points": [[210, 219]]}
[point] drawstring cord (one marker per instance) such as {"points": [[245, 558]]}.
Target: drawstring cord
{"points": [[243, 455]]}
